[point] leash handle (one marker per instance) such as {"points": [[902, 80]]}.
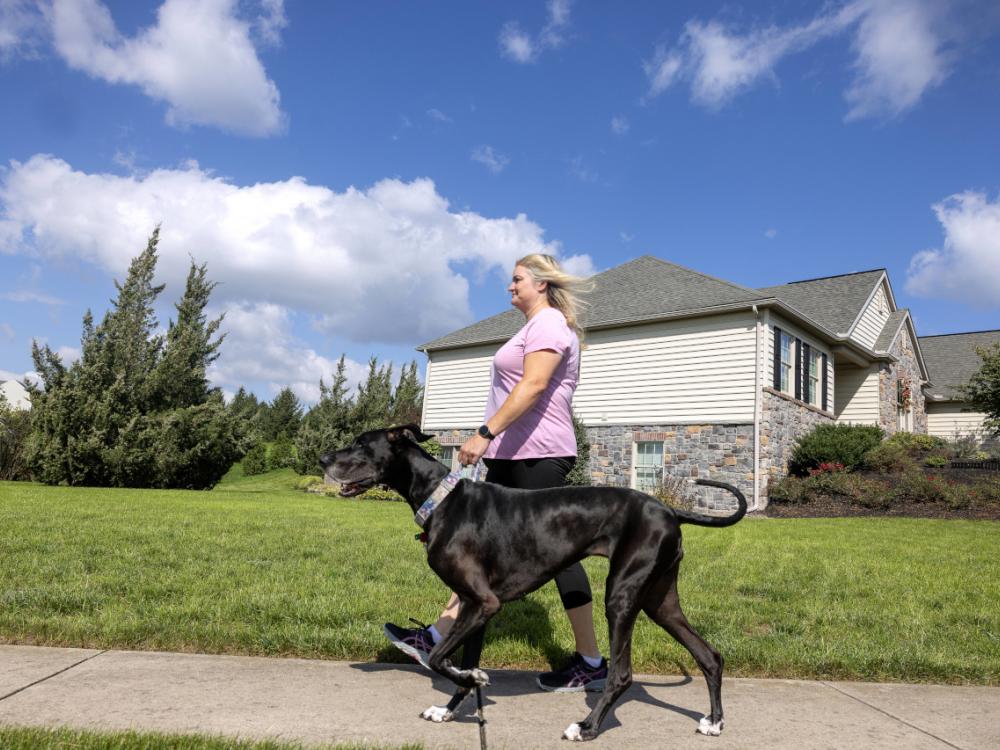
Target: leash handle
{"points": [[475, 472]]}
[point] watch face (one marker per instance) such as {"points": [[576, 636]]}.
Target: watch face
{"points": [[484, 431]]}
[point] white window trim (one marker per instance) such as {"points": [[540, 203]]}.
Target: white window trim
{"points": [[454, 451], [789, 367], [815, 384]]}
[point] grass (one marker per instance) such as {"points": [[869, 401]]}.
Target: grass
{"points": [[23, 738], [255, 567]]}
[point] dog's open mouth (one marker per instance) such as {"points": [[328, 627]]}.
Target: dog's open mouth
{"points": [[350, 489]]}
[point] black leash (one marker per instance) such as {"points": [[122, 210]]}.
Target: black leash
{"points": [[482, 719]]}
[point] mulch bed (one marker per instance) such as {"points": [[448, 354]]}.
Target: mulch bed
{"points": [[840, 507]]}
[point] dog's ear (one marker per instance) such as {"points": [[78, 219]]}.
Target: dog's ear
{"points": [[407, 432]]}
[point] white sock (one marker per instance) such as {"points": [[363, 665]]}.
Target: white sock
{"points": [[593, 661], [435, 635]]}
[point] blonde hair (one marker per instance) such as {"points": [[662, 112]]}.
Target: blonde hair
{"points": [[563, 290]]}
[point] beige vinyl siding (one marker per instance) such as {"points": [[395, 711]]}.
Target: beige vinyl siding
{"points": [[457, 387], [687, 371], [856, 397], [947, 420], [872, 321], [813, 342]]}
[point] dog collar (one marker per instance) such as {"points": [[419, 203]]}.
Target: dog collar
{"points": [[442, 491]]}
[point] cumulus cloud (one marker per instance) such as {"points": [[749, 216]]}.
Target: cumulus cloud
{"points": [[199, 58], [967, 267], [370, 265], [524, 47], [897, 44], [494, 160], [261, 347]]}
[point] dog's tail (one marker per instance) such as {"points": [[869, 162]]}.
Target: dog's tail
{"points": [[697, 519]]}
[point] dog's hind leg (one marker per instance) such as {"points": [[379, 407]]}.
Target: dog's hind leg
{"points": [[621, 608], [662, 604]]}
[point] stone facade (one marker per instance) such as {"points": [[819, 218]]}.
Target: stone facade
{"points": [[907, 370], [783, 421]]}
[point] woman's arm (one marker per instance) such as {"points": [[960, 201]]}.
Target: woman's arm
{"points": [[538, 369]]}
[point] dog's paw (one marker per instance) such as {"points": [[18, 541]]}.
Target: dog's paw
{"points": [[437, 714], [480, 677], [573, 733], [706, 727]]}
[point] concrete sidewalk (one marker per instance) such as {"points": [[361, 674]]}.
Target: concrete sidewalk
{"points": [[324, 701]]}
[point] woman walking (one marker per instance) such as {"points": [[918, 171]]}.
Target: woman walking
{"points": [[527, 442]]}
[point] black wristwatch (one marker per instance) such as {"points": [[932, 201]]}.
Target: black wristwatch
{"points": [[484, 431]]}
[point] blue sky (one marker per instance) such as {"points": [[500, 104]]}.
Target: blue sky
{"points": [[359, 177]]}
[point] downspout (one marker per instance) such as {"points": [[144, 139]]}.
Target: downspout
{"points": [[757, 398]]}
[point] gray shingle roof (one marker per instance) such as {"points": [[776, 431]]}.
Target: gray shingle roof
{"points": [[646, 288], [834, 302], [890, 329], [952, 359]]}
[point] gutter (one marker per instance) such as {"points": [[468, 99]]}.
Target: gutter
{"points": [[757, 404]]}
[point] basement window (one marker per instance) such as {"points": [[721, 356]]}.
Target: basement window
{"points": [[647, 466]]}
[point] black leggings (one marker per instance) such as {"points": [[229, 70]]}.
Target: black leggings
{"points": [[540, 474]]}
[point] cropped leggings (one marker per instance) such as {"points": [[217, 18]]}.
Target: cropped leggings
{"points": [[540, 474]]}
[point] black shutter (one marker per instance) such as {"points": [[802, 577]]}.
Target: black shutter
{"points": [[807, 394], [777, 358], [798, 369], [825, 407]]}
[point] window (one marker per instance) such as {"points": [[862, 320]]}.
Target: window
{"points": [[648, 466], [447, 456], [813, 380], [787, 358]]}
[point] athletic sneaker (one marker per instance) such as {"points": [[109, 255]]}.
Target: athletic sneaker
{"points": [[575, 676], [414, 642]]}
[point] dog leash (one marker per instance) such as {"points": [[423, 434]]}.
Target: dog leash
{"points": [[481, 718], [474, 473]]}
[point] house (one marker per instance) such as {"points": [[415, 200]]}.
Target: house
{"points": [[687, 375], [952, 359], [15, 394]]}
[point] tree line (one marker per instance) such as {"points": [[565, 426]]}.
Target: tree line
{"points": [[137, 409]]}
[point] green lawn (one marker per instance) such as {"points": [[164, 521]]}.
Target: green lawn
{"points": [[254, 567], [18, 738]]}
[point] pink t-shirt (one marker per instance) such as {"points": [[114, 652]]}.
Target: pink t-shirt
{"points": [[546, 430]]}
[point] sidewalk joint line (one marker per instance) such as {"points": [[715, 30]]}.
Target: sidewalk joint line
{"points": [[891, 716], [54, 674]]}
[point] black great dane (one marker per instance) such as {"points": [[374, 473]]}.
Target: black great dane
{"points": [[491, 544]]}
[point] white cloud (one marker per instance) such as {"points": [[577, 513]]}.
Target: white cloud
{"points": [[771, 233], [29, 296], [967, 267], [261, 348], [7, 333], [899, 57], [578, 265], [523, 47], [372, 265], [626, 236], [198, 58], [579, 169], [22, 27], [494, 160], [619, 125], [897, 43], [69, 354], [437, 114]]}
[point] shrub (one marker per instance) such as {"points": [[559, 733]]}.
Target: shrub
{"points": [[670, 491], [936, 462], [918, 487], [15, 426], [833, 443], [789, 490], [856, 489], [282, 455], [916, 443], [888, 459], [381, 495], [255, 461], [964, 446], [306, 483]]}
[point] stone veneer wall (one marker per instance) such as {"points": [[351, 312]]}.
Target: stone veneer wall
{"points": [[722, 452], [783, 421], [907, 368]]}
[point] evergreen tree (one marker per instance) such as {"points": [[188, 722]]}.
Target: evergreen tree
{"points": [[283, 416], [983, 389], [327, 426], [407, 401], [579, 475], [135, 410], [373, 404]]}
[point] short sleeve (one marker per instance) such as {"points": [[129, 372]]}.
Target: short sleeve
{"points": [[547, 330]]}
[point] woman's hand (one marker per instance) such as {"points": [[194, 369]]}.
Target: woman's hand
{"points": [[472, 450]]}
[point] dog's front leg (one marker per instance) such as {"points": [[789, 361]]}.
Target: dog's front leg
{"points": [[471, 652]]}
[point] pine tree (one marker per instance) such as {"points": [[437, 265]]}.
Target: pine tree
{"points": [[327, 425], [284, 415], [407, 401], [982, 392], [373, 404]]}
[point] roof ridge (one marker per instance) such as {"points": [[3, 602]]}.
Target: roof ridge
{"points": [[742, 288], [958, 333], [834, 276]]}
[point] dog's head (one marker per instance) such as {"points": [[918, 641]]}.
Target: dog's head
{"points": [[374, 457]]}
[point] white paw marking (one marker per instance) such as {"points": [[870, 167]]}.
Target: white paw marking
{"points": [[482, 679], [437, 714], [706, 727], [573, 733]]}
